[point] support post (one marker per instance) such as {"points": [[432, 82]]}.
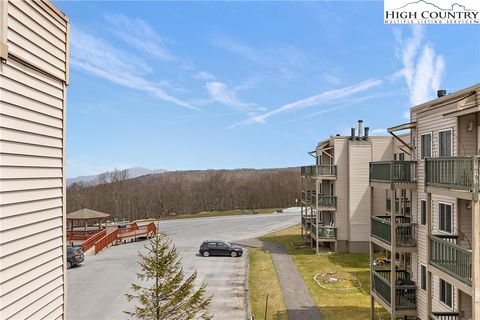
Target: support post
{"points": [[476, 259], [429, 232], [393, 264], [372, 300]]}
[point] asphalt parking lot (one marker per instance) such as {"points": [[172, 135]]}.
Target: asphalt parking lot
{"points": [[96, 289]]}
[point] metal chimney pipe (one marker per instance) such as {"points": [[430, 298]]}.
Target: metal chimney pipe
{"points": [[365, 137], [360, 124], [441, 93], [352, 134]]}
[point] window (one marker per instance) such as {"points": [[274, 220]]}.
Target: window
{"points": [[445, 143], [401, 156], [446, 293], [445, 217], [212, 245], [423, 277], [426, 141], [423, 212]]}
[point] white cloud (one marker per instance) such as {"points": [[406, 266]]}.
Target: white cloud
{"points": [[137, 33], [99, 58], [331, 79], [203, 75], [280, 58], [423, 69], [378, 131], [221, 93], [324, 97]]}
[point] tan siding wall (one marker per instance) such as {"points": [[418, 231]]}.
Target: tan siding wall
{"points": [[32, 109], [359, 191], [467, 140], [341, 187]]}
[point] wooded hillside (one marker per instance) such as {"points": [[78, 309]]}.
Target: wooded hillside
{"points": [[183, 192]]}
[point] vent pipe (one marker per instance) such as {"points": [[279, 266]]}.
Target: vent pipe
{"points": [[441, 93], [360, 125], [365, 137], [352, 134]]}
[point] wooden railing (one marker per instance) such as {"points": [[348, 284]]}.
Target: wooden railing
{"points": [[90, 242], [405, 230], [81, 234], [444, 316], [308, 171], [451, 258], [327, 170], [405, 295], [393, 172], [459, 173], [106, 241], [325, 201]]}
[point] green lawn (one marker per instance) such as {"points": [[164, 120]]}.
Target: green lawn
{"points": [[203, 214], [262, 279], [334, 303]]}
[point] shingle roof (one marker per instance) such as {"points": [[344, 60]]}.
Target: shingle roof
{"points": [[86, 214]]}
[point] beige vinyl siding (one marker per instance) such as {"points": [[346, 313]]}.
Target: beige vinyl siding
{"points": [[341, 187], [359, 191], [467, 140], [32, 191]]}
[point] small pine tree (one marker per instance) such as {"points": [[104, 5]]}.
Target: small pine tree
{"points": [[170, 296]]}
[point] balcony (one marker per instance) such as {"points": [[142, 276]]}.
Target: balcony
{"points": [[324, 232], [456, 173], [308, 221], [449, 257], [307, 196], [326, 203], [405, 294], [405, 230], [444, 316], [308, 171], [327, 172], [402, 173], [406, 208]]}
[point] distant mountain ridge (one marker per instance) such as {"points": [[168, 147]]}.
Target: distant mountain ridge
{"points": [[426, 3], [132, 173]]}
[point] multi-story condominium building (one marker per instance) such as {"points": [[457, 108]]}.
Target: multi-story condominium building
{"points": [[336, 200], [434, 247], [33, 79]]}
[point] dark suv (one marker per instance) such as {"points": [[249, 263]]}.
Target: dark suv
{"points": [[75, 256], [219, 248]]}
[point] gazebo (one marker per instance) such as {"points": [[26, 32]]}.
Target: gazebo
{"points": [[80, 224]]}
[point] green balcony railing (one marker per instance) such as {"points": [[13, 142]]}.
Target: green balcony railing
{"points": [[326, 202], [444, 316], [307, 196], [308, 171], [325, 232], [459, 173], [405, 230], [405, 294], [393, 172], [406, 209], [326, 171], [449, 257]]}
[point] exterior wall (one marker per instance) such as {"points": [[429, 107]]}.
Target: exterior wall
{"points": [[359, 157], [32, 130], [467, 135], [341, 187]]}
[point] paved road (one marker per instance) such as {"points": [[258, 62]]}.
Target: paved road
{"points": [[96, 288]]}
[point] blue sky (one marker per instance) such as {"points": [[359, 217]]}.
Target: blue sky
{"points": [[199, 85]]}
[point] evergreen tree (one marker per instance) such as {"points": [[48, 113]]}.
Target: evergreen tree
{"points": [[166, 294]]}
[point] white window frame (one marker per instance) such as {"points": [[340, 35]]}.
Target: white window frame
{"points": [[451, 141], [426, 276], [431, 144], [440, 293], [420, 222], [451, 218], [320, 217]]}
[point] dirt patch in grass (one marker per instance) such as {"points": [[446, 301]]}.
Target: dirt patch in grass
{"points": [[263, 280]]}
